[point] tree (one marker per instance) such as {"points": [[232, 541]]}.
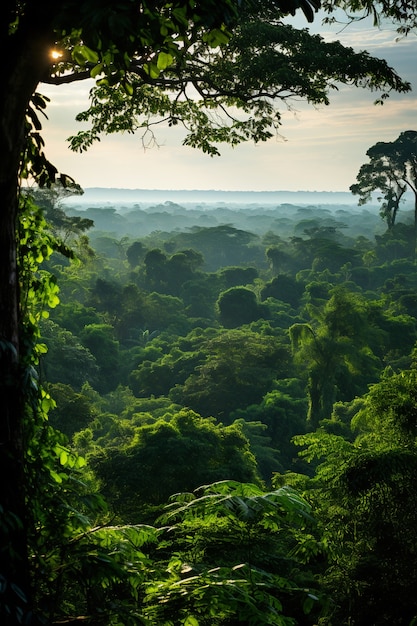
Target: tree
{"points": [[99, 340], [168, 456], [140, 49], [238, 305], [364, 496], [242, 556], [66, 360], [285, 288], [403, 14], [265, 59], [50, 200], [392, 169], [237, 369], [73, 410], [335, 349], [135, 253]]}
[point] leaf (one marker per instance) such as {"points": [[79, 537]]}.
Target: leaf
{"points": [[151, 69], [80, 462], [164, 60], [63, 457], [97, 70], [216, 37], [57, 477], [83, 55]]}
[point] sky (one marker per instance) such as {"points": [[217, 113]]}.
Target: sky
{"points": [[319, 148]]}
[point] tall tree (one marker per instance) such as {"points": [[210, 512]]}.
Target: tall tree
{"points": [[392, 170], [334, 348]]}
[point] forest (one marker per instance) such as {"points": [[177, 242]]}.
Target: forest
{"points": [[235, 392], [208, 414]]}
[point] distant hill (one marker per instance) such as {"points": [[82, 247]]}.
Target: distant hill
{"points": [[103, 196]]}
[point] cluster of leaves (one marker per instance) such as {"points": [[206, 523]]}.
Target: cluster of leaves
{"points": [[363, 494], [230, 97]]}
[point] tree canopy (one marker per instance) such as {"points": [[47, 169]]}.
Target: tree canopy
{"points": [[392, 170]]}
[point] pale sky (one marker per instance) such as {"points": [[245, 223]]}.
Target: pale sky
{"points": [[320, 149]]}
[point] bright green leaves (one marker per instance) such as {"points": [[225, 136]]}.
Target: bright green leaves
{"points": [[217, 37], [245, 502], [36, 245], [83, 55], [160, 63], [164, 60], [97, 70], [233, 548], [112, 40], [67, 458], [47, 403], [152, 70]]}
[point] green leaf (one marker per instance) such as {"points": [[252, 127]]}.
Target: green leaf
{"points": [[164, 60], [151, 69], [191, 621], [97, 70], [63, 457], [57, 477], [83, 55], [216, 37], [80, 462], [128, 87]]}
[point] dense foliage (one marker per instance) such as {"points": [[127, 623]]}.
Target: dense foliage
{"points": [[164, 381]]}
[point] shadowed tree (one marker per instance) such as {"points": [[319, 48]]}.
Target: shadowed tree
{"points": [[392, 170], [238, 306], [334, 348], [168, 456], [364, 493]]}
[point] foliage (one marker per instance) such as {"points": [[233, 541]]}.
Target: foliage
{"points": [[239, 367], [52, 483], [49, 517], [265, 60], [66, 359], [363, 493], [179, 451], [49, 199], [243, 553], [144, 448], [335, 347], [392, 170], [403, 14], [238, 306]]}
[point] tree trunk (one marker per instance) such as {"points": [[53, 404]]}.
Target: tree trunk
{"points": [[24, 65], [415, 223], [13, 555]]}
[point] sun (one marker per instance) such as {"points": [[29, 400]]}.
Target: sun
{"points": [[56, 54]]}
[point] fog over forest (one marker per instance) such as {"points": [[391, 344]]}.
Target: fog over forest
{"points": [[139, 212]]}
